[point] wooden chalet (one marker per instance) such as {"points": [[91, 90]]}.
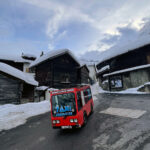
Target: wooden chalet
{"points": [[20, 62], [15, 86], [60, 69], [124, 69]]}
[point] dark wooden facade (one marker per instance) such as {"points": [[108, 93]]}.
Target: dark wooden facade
{"points": [[84, 74], [137, 57], [13, 90], [9, 90], [134, 58], [60, 72]]}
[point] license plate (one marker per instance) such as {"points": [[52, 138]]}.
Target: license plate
{"points": [[66, 127]]}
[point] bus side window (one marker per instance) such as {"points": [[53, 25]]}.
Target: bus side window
{"points": [[86, 96], [79, 101], [89, 94]]}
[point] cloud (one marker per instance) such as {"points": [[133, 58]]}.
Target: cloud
{"points": [[58, 22]]}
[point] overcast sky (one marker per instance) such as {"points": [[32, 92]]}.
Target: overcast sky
{"points": [[31, 26]]}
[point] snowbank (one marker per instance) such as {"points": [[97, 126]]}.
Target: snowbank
{"points": [[128, 91], [96, 89], [12, 115], [134, 90]]}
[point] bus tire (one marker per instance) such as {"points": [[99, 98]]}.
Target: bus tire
{"points": [[84, 119]]}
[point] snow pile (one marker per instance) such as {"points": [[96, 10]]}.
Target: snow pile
{"points": [[127, 91], [134, 90], [52, 89], [53, 54], [12, 115], [96, 89], [105, 81], [18, 74]]}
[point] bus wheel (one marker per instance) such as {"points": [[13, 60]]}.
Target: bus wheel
{"points": [[84, 119]]}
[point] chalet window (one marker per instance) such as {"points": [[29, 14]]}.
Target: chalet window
{"points": [[116, 82]]}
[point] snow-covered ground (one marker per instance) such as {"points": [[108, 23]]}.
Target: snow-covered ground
{"points": [[14, 115], [127, 91], [96, 89]]}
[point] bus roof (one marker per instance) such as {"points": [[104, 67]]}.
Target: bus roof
{"points": [[69, 90]]}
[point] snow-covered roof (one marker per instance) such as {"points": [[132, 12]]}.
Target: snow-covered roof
{"points": [[88, 62], [42, 88], [53, 54], [127, 70], [116, 51], [26, 77], [105, 68], [14, 58]]}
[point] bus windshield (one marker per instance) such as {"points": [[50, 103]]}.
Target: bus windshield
{"points": [[63, 105]]}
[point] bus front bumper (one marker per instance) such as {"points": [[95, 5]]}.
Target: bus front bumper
{"points": [[67, 127]]}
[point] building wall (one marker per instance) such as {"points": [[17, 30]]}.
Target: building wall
{"points": [[84, 75], [136, 57], [140, 77], [9, 90], [133, 79], [64, 72], [59, 72], [44, 73]]}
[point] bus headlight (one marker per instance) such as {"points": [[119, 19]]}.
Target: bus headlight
{"points": [[75, 120], [57, 121], [71, 120], [54, 121]]}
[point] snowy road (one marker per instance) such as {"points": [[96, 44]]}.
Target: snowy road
{"points": [[103, 131]]}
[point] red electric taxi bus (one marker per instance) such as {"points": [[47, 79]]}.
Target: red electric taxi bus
{"points": [[71, 107]]}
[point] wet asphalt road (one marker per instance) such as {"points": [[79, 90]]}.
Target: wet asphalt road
{"points": [[102, 132]]}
